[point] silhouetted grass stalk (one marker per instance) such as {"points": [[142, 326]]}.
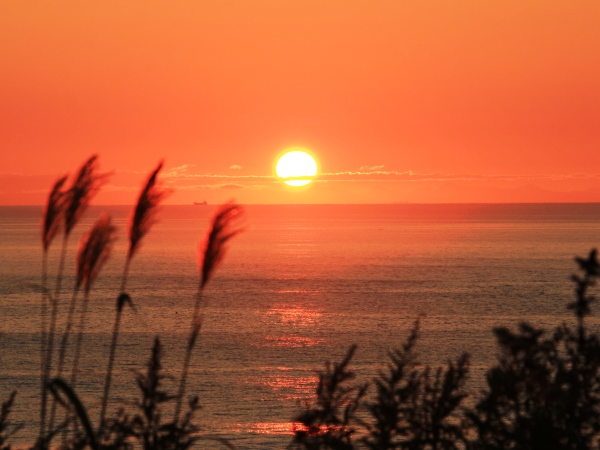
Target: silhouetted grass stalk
{"points": [[94, 250], [195, 331], [51, 220], [73, 204], [55, 302], [210, 256], [63, 347], [65, 339], [141, 222], [80, 328], [123, 298]]}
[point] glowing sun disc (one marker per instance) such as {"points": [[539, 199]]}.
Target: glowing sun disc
{"points": [[294, 166]]}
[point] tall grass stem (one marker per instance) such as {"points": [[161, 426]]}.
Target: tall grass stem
{"points": [[81, 327], [63, 348], [54, 314], [195, 331], [113, 345], [65, 339]]}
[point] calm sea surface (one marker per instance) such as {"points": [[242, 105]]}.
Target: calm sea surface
{"points": [[296, 289]]}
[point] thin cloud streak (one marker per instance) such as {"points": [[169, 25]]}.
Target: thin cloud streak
{"points": [[178, 171], [218, 186], [371, 168], [390, 175], [436, 176]]}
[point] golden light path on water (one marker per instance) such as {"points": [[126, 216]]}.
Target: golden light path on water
{"points": [[294, 316], [272, 428], [285, 382]]}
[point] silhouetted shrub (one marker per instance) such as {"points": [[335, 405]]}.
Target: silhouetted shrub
{"points": [[416, 407], [147, 427], [413, 407], [544, 393], [330, 421]]}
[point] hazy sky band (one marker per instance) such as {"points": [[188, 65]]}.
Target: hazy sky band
{"points": [[464, 87]]}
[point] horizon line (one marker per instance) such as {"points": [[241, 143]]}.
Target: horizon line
{"points": [[399, 203]]}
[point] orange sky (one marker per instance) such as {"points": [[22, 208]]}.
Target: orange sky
{"points": [[403, 100]]}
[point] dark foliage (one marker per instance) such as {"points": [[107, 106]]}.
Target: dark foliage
{"points": [[545, 391], [433, 416], [147, 427], [395, 389], [416, 408], [413, 407], [330, 421]]}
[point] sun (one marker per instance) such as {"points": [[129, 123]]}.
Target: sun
{"points": [[296, 167]]}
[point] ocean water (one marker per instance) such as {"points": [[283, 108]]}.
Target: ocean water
{"points": [[296, 289]]}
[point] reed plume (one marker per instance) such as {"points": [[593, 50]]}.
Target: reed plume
{"points": [[84, 187], [53, 213], [52, 217], [140, 224], [145, 210], [76, 200], [215, 244], [94, 251], [224, 226]]}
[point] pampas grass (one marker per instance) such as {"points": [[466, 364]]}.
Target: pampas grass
{"points": [[53, 213], [224, 227], [84, 187], [215, 244], [74, 203], [67, 207], [51, 220], [141, 222], [145, 211], [94, 251]]}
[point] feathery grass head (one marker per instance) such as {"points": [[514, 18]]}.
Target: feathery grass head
{"points": [[85, 185], [94, 249], [222, 229], [53, 212], [145, 210]]}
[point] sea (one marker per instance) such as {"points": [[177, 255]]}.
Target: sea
{"points": [[295, 290]]}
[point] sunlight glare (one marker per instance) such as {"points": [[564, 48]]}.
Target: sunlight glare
{"points": [[296, 163]]}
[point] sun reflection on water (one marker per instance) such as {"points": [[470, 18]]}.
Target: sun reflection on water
{"points": [[290, 387], [295, 315], [273, 428], [292, 341]]}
